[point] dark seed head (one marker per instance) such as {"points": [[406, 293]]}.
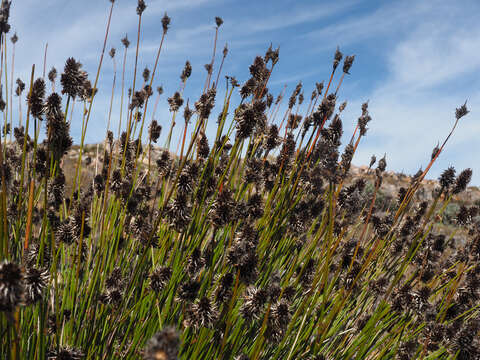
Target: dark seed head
{"points": [[66, 353], [125, 41], [164, 345], [141, 6], [462, 181], [35, 99], [12, 288], [73, 78], [461, 111], [36, 280], [165, 22]]}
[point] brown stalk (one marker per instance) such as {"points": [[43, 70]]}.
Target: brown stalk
{"points": [[29, 214], [219, 70], [133, 91], [209, 75], [414, 187], [11, 91], [79, 162]]}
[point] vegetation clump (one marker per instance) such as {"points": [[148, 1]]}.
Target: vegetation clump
{"points": [[251, 242]]}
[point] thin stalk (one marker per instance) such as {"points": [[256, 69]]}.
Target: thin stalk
{"points": [[79, 162]]}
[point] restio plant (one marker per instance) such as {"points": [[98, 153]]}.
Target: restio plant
{"points": [[251, 242]]}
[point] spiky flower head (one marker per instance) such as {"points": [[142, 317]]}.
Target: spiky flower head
{"points": [[461, 111], [52, 74], [146, 74], [218, 21], [163, 345], [35, 99], [205, 104], [14, 38], [382, 164], [254, 301], [12, 286], [225, 51], [36, 281], [160, 277], [447, 178], [165, 23], [187, 71], [125, 41], [4, 15], [337, 58], [201, 314], [347, 64], [20, 87], [141, 6], [175, 102], [462, 181], [188, 290], [66, 353], [73, 78], [112, 52], [154, 131]]}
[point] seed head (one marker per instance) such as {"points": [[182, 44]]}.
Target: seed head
{"points": [[154, 131], [224, 290], [201, 314], [160, 277], [52, 74], [319, 87], [202, 146], [125, 41], [187, 71], [195, 262], [205, 104], [188, 290], [175, 102], [165, 23], [36, 280], [337, 58], [66, 353], [4, 15], [20, 87], [187, 113], [12, 286], [112, 52], [347, 64], [35, 99], [447, 178], [254, 301], [218, 21], [462, 181], [141, 6], [461, 111], [146, 74], [14, 38], [73, 78], [66, 232], [164, 345]]}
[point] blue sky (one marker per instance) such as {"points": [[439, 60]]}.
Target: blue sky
{"points": [[416, 61]]}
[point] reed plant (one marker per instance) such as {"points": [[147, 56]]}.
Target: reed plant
{"points": [[250, 242]]}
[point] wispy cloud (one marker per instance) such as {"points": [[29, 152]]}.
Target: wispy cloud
{"points": [[416, 61]]}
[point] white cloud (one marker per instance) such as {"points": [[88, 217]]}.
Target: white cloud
{"points": [[414, 107]]}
